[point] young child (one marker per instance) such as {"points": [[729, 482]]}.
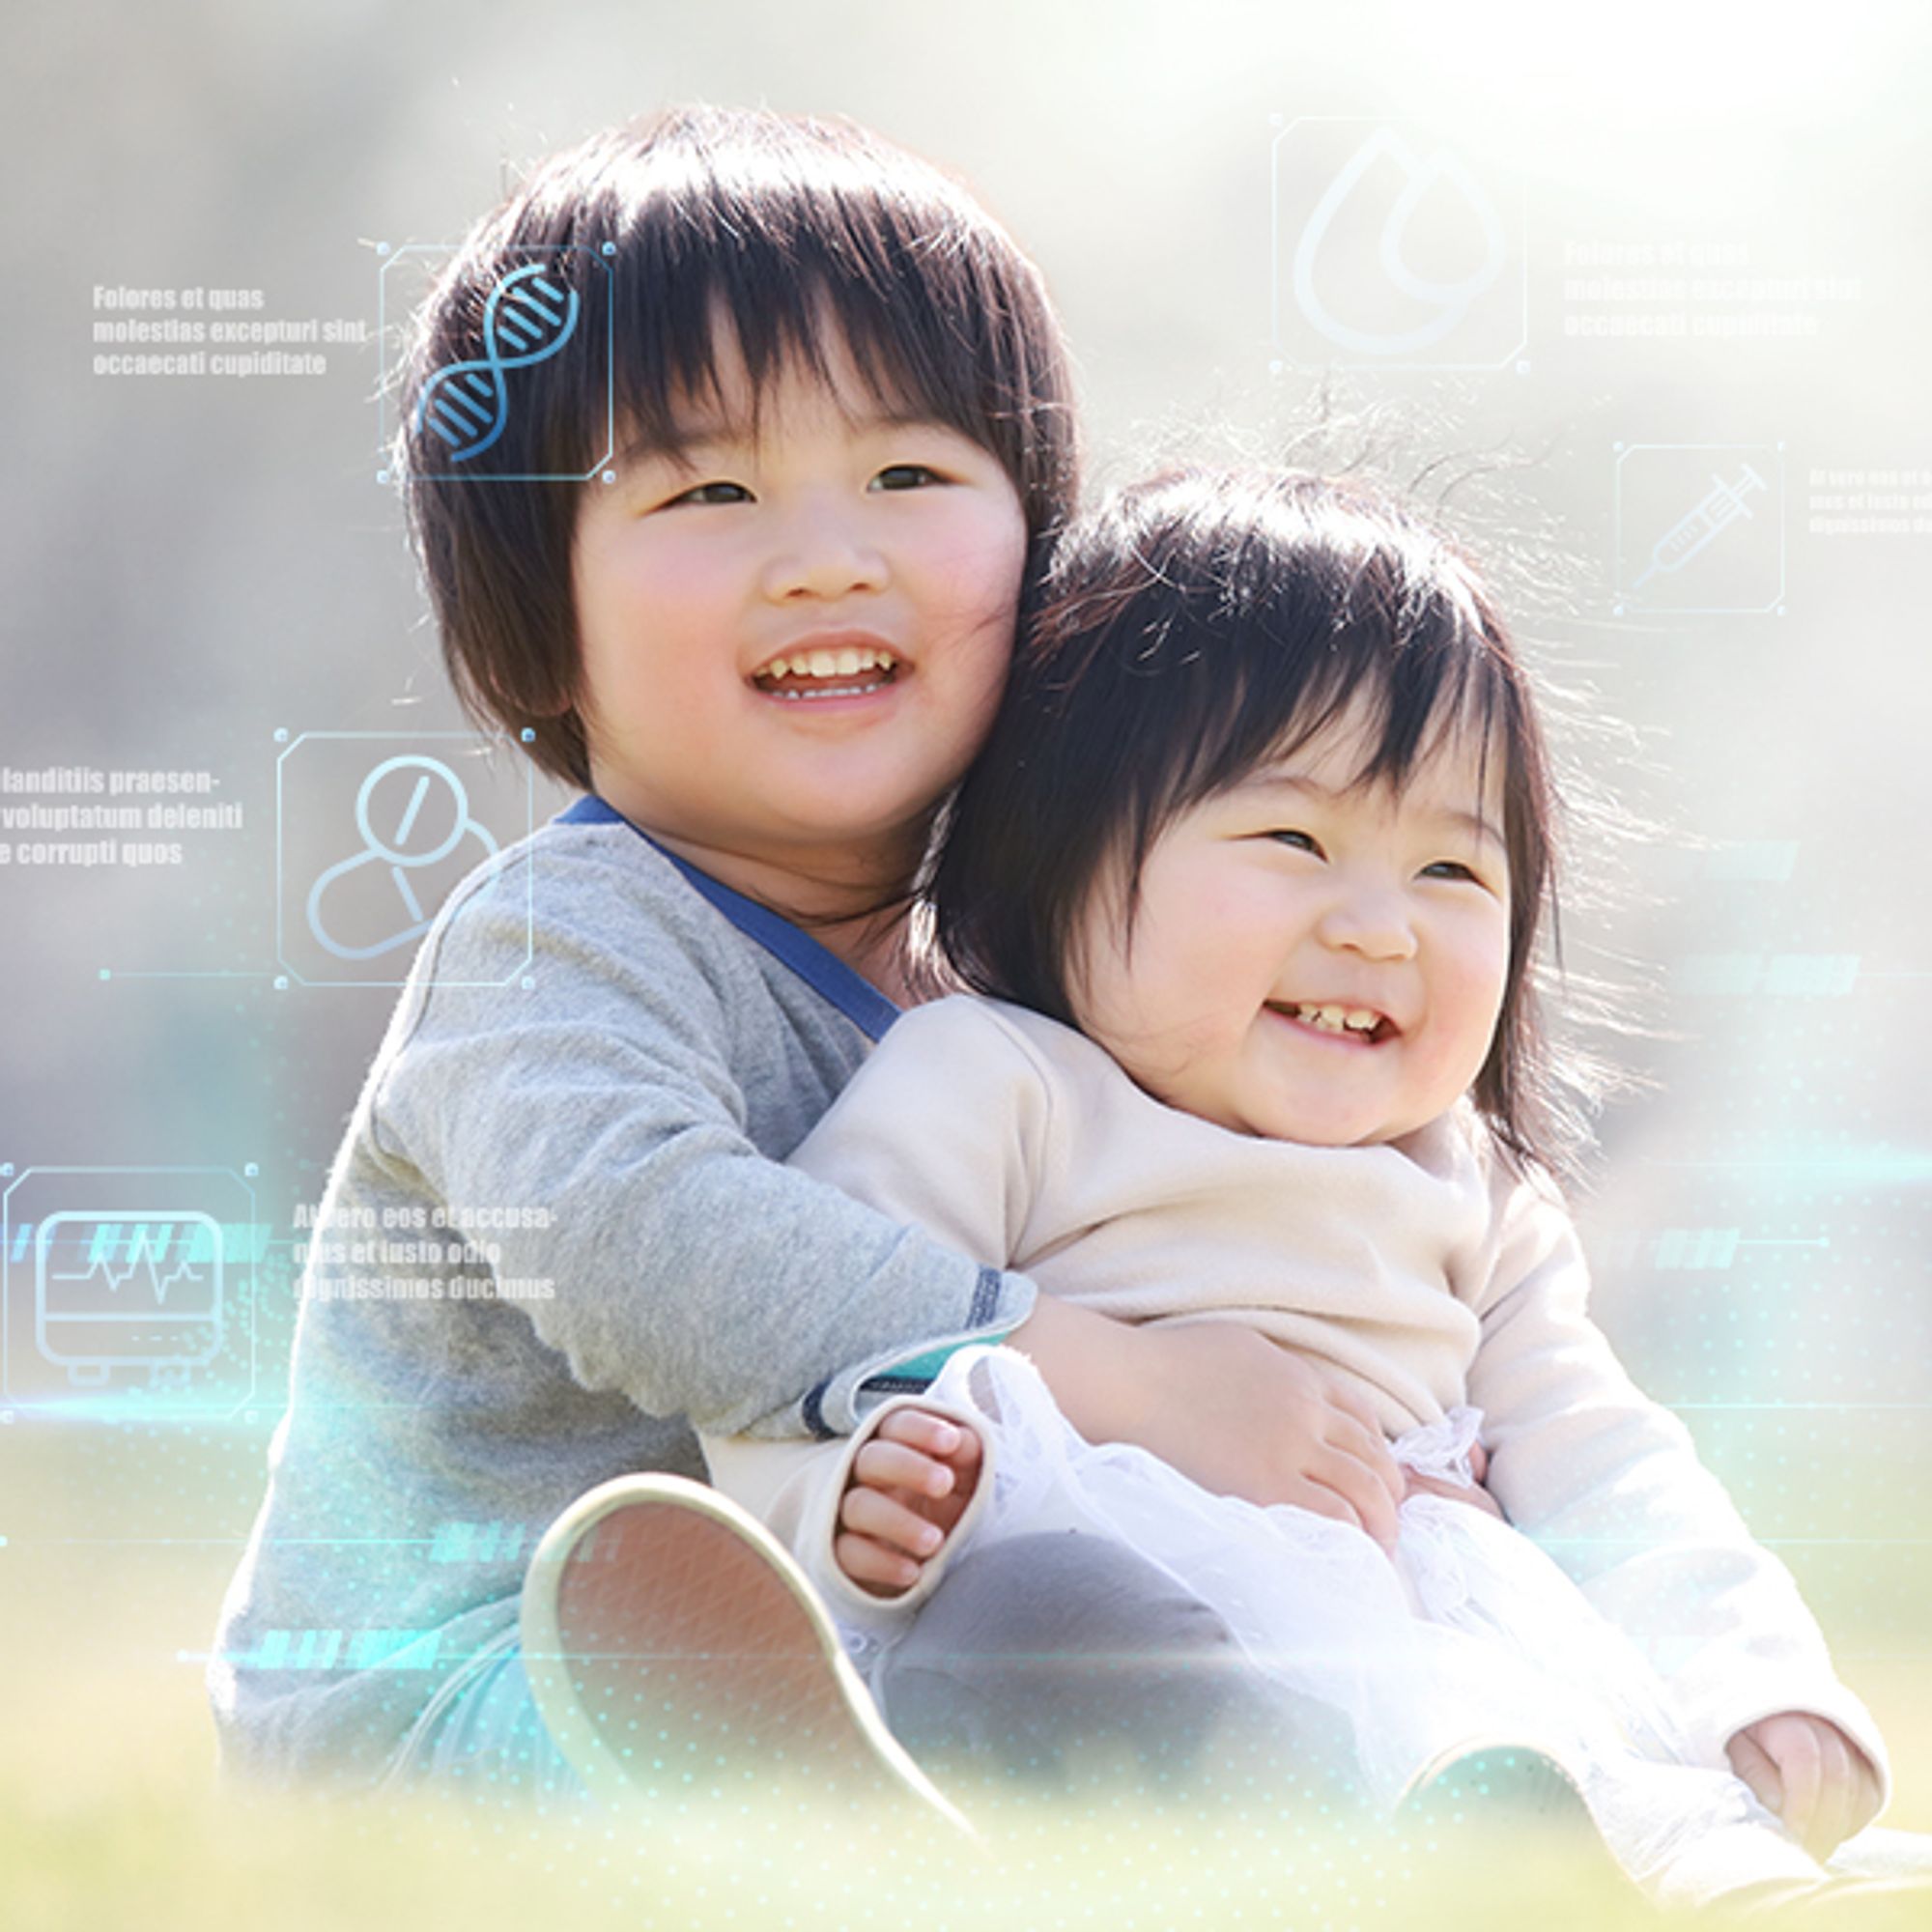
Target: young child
{"points": [[1253, 867], [766, 644]]}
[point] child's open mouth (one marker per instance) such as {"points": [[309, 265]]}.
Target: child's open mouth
{"points": [[851, 671], [1355, 1023]]}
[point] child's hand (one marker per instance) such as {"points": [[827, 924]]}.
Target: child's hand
{"points": [[910, 1484], [1473, 1493], [1810, 1773], [1243, 1416]]}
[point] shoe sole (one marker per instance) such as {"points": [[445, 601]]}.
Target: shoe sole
{"points": [[1526, 1782], [1514, 1787], [670, 1640]]}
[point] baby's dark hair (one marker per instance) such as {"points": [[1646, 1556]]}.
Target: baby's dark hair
{"points": [[785, 231], [1192, 629]]}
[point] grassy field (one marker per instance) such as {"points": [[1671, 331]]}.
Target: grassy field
{"points": [[109, 1818]]}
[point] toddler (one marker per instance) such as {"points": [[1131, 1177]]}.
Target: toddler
{"points": [[764, 635], [1250, 877]]}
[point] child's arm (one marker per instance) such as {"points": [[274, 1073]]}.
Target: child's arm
{"points": [[954, 1127], [624, 1094], [1610, 1483], [947, 1126]]}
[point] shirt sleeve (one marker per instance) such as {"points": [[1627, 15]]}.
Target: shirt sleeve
{"points": [[945, 1128], [593, 1077], [795, 1490], [941, 1129], [1610, 1483]]}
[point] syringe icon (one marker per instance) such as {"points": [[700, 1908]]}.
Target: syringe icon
{"points": [[1722, 507]]}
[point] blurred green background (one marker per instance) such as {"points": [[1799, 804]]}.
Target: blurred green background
{"points": [[1695, 242]]}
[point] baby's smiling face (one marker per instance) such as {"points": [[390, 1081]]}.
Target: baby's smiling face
{"points": [[1311, 961]]}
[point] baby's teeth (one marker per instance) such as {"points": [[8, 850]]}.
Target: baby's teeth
{"points": [[846, 662], [1336, 1019]]}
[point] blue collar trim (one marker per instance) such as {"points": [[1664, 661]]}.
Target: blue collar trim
{"points": [[826, 974]]}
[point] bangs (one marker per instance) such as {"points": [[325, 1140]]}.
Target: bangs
{"points": [[1218, 636], [779, 238], [691, 300], [783, 245], [1405, 699]]}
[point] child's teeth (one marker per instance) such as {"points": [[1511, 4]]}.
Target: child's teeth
{"points": [[847, 662], [1337, 1019]]}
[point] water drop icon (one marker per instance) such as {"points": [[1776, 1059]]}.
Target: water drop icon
{"points": [[1450, 300]]}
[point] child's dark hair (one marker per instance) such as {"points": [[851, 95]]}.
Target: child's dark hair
{"points": [[782, 229], [1192, 629]]}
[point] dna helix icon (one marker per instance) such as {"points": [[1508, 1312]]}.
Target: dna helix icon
{"points": [[468, 404]]}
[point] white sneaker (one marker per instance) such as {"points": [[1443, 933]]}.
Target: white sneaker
{"points": [[670, 1639]]}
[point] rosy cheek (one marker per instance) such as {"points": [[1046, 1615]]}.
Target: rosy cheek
{"points": [[1213, 909], [1481, 997]]}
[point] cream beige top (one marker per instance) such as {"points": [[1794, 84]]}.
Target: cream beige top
{"points": [[1428, 1271]]}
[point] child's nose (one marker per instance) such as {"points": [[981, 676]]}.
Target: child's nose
{"points": [[821, 552], [1370, 921]]}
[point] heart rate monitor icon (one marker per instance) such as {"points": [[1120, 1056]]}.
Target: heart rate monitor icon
{"points": [[116, 1289]]}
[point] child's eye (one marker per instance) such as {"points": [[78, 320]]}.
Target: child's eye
{"points": [[715, 493], [1450, 868], [904, 476], [1300, 841]]}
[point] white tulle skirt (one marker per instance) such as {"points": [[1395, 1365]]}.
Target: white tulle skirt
{"points": [[1470, 1639]]}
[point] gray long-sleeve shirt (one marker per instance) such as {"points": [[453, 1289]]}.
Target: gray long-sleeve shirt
{"points": [[591, 1048]]}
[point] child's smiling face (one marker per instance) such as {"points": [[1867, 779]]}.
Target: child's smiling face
{"points": [[792, 643], [1312, 961]]}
